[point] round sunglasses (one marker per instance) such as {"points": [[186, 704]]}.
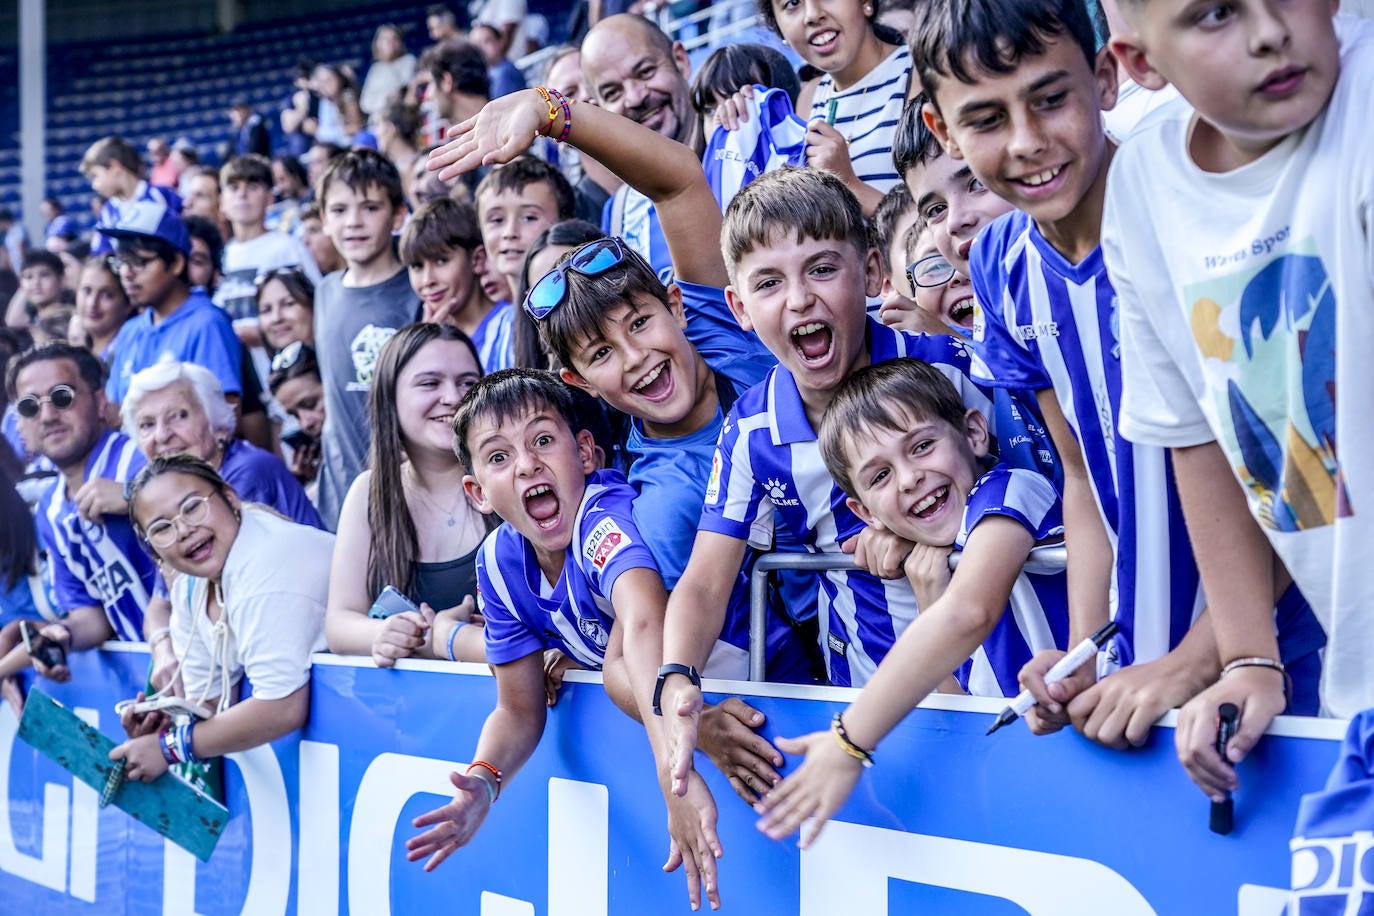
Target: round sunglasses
{"points": [[61, 397]]}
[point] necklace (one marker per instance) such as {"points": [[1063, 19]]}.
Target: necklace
{"points": [[450, 513]]}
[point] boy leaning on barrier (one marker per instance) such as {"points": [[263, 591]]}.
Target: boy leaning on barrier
{"points": [[914, 461]]}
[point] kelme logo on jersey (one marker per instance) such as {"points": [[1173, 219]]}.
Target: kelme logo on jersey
{"points": [[605, 541], [777, 492]]}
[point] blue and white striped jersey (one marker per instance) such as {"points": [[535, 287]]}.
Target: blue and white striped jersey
{"points": [[98, 563], [772, 137], [1037, 615], [493, 338], [1046, 323], [768, 466], [525, 613]]}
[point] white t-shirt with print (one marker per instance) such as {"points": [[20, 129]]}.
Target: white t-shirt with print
{"points": [[1246, 316]]}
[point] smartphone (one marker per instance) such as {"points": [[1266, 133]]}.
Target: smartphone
{"points": [[41, 647], [389, 603]]}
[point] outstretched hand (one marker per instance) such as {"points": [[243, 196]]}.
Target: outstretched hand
{"points": [[502, 130], [695, 845], [728, 736], [453, 825], [681, 720], [814, 792]]}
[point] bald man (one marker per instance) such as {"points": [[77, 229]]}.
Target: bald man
{"points": [[634, 70]]}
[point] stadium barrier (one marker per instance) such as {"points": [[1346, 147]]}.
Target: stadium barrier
{"points": [[947, 822], [1047, 558]]}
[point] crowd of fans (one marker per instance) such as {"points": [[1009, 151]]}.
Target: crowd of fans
{"points": [[530, 376]]}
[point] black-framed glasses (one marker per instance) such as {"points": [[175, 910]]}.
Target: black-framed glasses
{"points": [[591, 260], [930, 271], [163, 532], [61, 397], [134, 262], [289, 355]]}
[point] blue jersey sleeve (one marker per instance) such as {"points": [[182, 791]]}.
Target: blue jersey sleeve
{"points": [[734, 499], [728, 349], [610, 540], [507, 636], [1007, 358], [1023, 495]]}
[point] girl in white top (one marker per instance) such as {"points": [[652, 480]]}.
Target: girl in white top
{"points": [[237, 611], [867, 75]]}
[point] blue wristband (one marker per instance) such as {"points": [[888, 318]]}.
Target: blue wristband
{"points": [[452, 633], [184, 743]]}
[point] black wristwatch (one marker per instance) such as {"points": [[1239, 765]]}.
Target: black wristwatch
{"points": [[686, 671]]}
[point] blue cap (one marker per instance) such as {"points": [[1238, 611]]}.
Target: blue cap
{"points": [[151, 219]]}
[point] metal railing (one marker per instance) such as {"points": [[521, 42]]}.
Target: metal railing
{"points": [[1048, 558]]}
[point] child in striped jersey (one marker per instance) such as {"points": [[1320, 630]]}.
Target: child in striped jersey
{"points": [[568, 569], [911, 459], [1017, 92]]}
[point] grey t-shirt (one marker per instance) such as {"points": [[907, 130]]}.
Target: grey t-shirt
{"points": [[351, 325]]}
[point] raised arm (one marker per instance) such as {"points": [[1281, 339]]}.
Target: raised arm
{"points": [[665, 171]]}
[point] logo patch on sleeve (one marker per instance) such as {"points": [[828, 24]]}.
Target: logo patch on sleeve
{"points": [[604, 542], [713, 484]]}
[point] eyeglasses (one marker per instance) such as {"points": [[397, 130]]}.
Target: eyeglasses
{"points": [[591, 260], [61, 397], [163, 532], [932, 270], [134, 262], [289, 355]]}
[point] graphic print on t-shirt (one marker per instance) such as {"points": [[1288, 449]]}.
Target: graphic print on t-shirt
{"points": [[1267, 335], [365, 348]]}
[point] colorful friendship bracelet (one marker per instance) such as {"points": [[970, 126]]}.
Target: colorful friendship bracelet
{"points": [[553, 108], [165, 741], [567, 114]]}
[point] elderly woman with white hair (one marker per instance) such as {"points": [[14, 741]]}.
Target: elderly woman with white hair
{"points": [[180, 407], [176, 407]]}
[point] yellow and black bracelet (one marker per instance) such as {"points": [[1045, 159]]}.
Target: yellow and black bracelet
{"points": [[848, 746]]}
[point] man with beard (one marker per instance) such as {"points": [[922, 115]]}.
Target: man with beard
{"points": [[634, 70], [101, 575]]}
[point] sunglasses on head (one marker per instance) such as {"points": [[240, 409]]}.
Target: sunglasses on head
{"points": [[591, 260], [61, 397], [288, 356], [279, 273]]}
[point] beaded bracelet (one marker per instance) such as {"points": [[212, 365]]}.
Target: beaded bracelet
{"points": [[493, 792], [1260, 661], [567, 114], [452, 633], [848, 746], [169, 752]]}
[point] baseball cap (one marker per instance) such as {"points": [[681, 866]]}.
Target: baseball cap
{"points": [[151, 219]]}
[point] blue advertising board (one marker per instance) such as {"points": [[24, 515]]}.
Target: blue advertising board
{"points": [[948, 821]]}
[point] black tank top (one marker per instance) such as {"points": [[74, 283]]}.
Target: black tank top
{"points": [[443, 585]]}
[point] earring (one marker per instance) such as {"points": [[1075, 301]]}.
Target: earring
{"points": [[868, 10]]}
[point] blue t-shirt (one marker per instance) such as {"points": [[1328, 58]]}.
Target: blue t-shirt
{"points": [[197, 332], [98, 563], [768, 469], [631, 215], [525, 613], [1037, 614], [259, 476]]}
